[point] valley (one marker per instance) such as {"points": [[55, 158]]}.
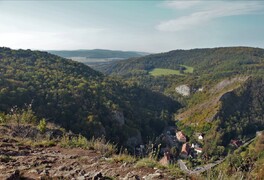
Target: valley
{"points": [[153, 112], [131, 90]]}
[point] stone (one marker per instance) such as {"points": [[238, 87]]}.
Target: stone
{"points": [[81, 178], [131, 176], [33, 171], [97, 176], [153, 176]]}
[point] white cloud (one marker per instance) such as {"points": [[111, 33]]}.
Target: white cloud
{"points": [[210, 11]]}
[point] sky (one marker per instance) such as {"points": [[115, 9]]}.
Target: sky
{"points": [[148, 26]]}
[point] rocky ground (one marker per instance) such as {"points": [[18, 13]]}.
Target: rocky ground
{"points": [[20, 161]]}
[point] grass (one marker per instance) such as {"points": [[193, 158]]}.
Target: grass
{"points": [[165, 72], [43, 143], [148, 162], [99, 144], [175, 170], [124, 158]]}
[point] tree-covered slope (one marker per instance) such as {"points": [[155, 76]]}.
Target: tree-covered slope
{"points": [[230, 102], [233, 112], [197, 68], [215, 61], [242, 110], [79, 98]]}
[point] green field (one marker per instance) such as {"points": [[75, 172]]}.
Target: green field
{"points": [[165, 72]]}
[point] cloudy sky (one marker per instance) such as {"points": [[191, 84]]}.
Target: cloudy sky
{"points": [[151, 26]]}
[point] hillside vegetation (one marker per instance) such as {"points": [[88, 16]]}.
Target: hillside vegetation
{"points": [[80, 99], [224, 103], [216, 61], [201, 67], [226, 91]]}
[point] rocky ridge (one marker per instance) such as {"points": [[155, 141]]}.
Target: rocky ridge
{"points": [[22, 161]]}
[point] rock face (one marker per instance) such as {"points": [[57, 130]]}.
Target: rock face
{"points": [[227, 82], [165, 161], [184, 90]]}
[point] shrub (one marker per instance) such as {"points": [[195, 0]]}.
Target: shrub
{"points": [[25, 116], [101, 145], [42, 125], [28, 115], [73, 142], [3, 118]]}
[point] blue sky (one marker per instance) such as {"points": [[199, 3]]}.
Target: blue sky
{"points": [[151, 26]]}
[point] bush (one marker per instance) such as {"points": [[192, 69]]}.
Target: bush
{"points": [[101, 145], [22, 116], [73, 142], [3, 118], [28, 115], [42, 125]]}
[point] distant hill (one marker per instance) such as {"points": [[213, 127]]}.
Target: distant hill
{"points": [[216, 61], [197, 67], [98, 54]]}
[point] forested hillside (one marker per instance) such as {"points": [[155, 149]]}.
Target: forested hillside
{"points": [[81, 99], [196, 68], [216, 61], [242, 110], [226, 91]]}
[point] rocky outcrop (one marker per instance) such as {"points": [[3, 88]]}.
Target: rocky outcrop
{"points": [[208, 110], [227, 82], [20, 161], [183, 90]]}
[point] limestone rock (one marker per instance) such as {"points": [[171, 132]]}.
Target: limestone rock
{"points": [[153, 176], [184, 90]]}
